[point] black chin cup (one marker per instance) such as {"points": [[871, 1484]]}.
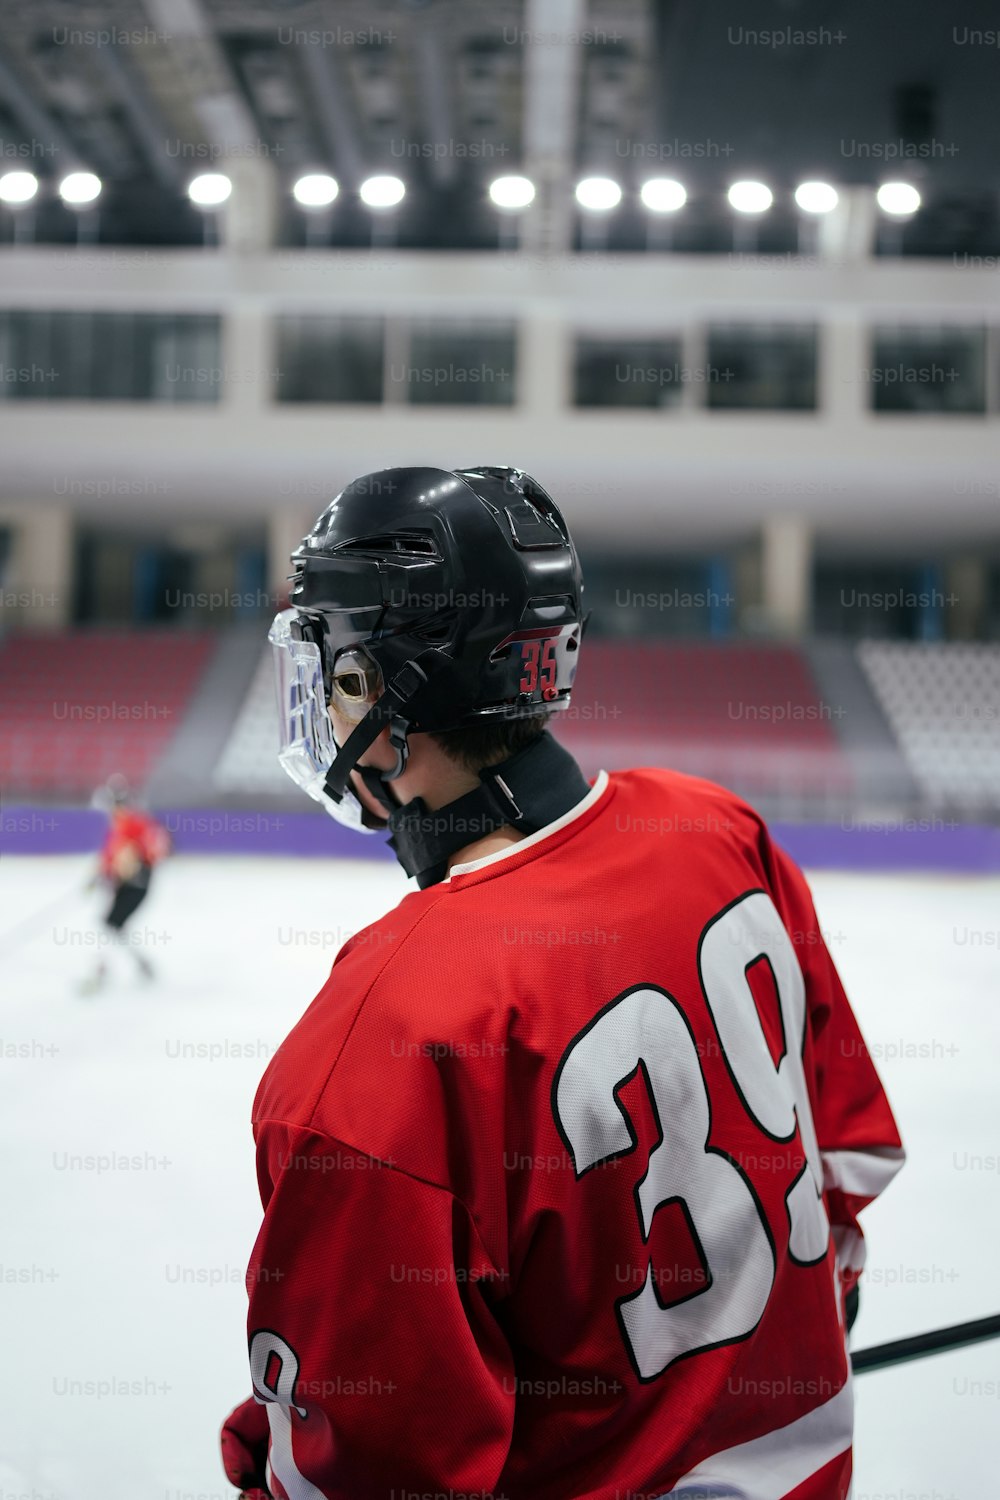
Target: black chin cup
{"points": [[527, 791]]}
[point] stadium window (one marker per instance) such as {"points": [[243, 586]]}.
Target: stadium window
{"points": [[329, 359], [761, 367], [86, 355], [629, 372], [928, 369], [456, 364], [633, 597], [126, 575], [881, 600], [183, 356]]}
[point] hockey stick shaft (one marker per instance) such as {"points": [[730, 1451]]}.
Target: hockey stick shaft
{"points": [[900, 1351]]}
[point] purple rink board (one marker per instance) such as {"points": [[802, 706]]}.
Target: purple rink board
{"points": [[929, 843]]}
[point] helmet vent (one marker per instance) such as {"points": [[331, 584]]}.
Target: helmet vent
{"points": [[439, 630], [420, 544]]}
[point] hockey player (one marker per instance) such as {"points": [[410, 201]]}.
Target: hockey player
{"points": [[134, 844], [561, 1170]]}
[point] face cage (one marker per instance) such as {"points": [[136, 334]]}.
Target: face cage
{"points": [[307, 745]]}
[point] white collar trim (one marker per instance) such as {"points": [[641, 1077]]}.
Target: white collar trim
{"points": [[596, 792]]}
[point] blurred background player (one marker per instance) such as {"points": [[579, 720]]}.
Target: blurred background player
{"points": [[135, 843]]}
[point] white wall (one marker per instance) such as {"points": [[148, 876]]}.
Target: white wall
{"points": [[621, 474]]}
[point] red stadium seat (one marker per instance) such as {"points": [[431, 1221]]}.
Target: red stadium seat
{"points": [[76, 707]]}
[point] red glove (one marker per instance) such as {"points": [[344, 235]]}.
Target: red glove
{"points": [[244, 1449]]}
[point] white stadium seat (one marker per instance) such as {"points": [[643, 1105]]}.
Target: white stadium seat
{"points": [[943, 702]]}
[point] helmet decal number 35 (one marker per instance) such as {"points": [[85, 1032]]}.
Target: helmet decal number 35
{"points": [[540, 665], [644, 1029]]}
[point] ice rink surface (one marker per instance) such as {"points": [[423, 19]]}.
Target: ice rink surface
{"points": [[135, 1276]]}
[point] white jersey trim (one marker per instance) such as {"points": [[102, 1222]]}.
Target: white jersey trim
{"points": [[850, 1247], [281, 1465], [585, 803], [861, 1173], [769, 1467]]}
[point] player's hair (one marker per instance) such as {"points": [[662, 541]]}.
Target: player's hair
{"points": [[491, 741]]}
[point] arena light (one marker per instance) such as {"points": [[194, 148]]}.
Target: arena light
{"points": [[315, 190], [599, 194], [898, 198], [79, 189], [512, 191], [750, 197], [18, 187], [210, 190], [382, 191], [662, 195], [816, 197]]}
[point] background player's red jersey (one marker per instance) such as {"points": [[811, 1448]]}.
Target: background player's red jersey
{"points": [[134, 838], [549, 1170]]}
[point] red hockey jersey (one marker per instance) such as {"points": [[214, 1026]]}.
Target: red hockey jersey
{"points": [[561, 1172], [133, 839]]}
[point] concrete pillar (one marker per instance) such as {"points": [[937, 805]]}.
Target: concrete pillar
{"points": [[847, 234], [844, 394], [786, 574], [248, 222], [544, 367], [252, 381], [37, 590], [965, 590]]}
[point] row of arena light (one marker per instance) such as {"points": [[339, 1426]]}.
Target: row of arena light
{"points": [[209, 190], [662, 195]]}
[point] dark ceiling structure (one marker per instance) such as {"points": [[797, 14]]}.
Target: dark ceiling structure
{"points": [[449, 94]]}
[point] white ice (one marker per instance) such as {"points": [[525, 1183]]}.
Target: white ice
{"points": [[136, 1275]]}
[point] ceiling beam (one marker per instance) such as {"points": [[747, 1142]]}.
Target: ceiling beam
{"points": [[552, 70], [248, 221], [434, 81], [141, 114], [329, 87], [35, 119]]}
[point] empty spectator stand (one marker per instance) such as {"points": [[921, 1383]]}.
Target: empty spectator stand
{"points": [[75, 707], [943, 703]]}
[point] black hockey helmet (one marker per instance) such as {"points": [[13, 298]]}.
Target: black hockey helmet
{"points": [[433, 599]]}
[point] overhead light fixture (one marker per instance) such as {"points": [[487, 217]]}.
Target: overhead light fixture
{"points": [[512, 192], [210, 190], [898, 198], [816, 197], [662, 195], [79, 189], [315, 190], [18, 187], [599, 194], [382, 191], [750, 197]]}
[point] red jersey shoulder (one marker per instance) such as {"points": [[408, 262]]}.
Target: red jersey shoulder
{"points": [[297, 1075], [436, 971], [680, 803]]}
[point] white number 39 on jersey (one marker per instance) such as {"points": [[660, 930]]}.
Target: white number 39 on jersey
{"points": [[645, 1028]]}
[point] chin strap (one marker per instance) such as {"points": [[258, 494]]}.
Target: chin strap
{"points": [[416, 687], [528, 791]]}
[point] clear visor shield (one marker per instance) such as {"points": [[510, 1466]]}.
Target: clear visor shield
{"points": [[307, 746]]}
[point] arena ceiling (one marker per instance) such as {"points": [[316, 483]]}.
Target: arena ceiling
{"points": [[448, 94]]}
